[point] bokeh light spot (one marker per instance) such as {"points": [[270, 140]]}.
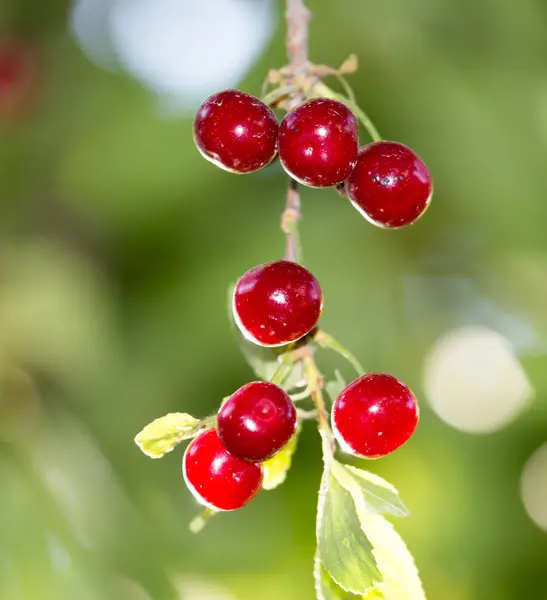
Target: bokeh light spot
{"points": [[474, 381], [183, 51], [534, 487]]}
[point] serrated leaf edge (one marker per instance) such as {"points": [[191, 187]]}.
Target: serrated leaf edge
{"points": [[198, 427], [388, 524], [323, 490], [317, 564], [317, 575], [375, 479]]}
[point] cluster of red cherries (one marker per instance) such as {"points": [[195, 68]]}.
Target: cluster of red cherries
{"points": [[318, 145], [280, 302]]}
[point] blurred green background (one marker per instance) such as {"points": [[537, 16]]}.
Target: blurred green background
{"points": [[118, 242]]}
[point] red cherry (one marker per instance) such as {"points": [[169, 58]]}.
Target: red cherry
{"points": [[374, 415], [390, 185], [216, 478], [318, 142], [236, 131], [17, 73], [277, 303], [257, 421]]}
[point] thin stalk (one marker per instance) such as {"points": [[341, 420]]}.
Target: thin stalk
{"points": [[282, 370], [323, 90], [289, 224], [199, 522], [327, 341]]}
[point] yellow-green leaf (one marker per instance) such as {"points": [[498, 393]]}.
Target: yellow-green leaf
{"points": [[162, 435], [275, 469], [325, 587], [343, 546], [378, 495], [401, 578], [372, 496]]}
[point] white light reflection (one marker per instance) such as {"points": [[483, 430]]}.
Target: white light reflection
{"points": [[181, 50], [533, 487], [474, 381]]}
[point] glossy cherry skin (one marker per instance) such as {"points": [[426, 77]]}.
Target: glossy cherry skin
{"points": [[257, 421], [277, 303], [236, 131], [374, 415], [390, 185], [216, 478], [318, 142]]}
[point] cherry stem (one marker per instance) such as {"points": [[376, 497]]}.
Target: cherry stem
{"points": [[289, 224], [323, 90], [327, 341], [301, 395], [305, 415], [315, 381], [199, 522], [282, 371], [273, 97], [367, 122], [347, 88], [298, 16]]}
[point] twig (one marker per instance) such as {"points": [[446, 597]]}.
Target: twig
{"points": [[298, 17], [297, 50], [315, 381], [289, 223]]}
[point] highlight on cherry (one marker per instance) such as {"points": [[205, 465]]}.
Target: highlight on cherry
{"points": [[244, 449]]}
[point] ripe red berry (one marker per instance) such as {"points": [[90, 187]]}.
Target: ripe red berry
{"points": [[277, 303], [216, 478], [257, 421], [318, 142], [374, 415], [390, 185], [236, 131]]}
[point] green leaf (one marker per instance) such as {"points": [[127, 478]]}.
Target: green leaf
{"points": [[275, 469], [162, 435], [360, 555], [401, 578], [377, 496], [263, 361], [325, 587], [373, 496], [343, 547]]}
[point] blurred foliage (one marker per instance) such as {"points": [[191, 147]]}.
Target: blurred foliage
{"points": [[118, 242]]}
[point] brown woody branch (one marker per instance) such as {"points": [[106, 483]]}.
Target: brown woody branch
{"points": [[298, 17]]}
